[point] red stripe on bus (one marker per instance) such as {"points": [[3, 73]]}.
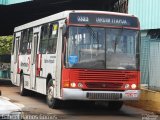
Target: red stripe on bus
{"points": [[37, 66]]}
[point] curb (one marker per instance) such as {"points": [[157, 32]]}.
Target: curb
{"points": [[149, 100]]}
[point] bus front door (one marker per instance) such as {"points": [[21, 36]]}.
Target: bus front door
{"points": [[33, 60]]}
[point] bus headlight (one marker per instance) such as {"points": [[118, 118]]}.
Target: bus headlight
{"points": [[80, 85], [133, 86], [126, 86], [73, 84]]}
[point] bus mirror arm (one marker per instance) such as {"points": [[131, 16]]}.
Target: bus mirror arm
{"points": [[64, 30]]}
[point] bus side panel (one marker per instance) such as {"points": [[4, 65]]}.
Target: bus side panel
{"points": [[41, 85], [48, 65], [24, 65], [18, 79], [12, 66]]}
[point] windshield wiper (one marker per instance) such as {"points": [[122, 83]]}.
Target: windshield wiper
{"points": [[94, 34], [91, 31]]}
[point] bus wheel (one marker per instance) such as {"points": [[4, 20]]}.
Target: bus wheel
{"points": [[23, 91], [115, 105], [51, 101]]}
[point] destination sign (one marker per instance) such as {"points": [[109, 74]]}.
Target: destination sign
{"points": [[103, 19]]}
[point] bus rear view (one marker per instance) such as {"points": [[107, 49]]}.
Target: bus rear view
{"points": [[101, 58]]}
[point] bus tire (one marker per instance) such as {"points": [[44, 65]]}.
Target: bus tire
{"points": [[115, 105], [23, 91], [51, 101]]}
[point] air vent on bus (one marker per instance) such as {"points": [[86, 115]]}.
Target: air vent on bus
{"points": [[104, 96], [99, 75]]}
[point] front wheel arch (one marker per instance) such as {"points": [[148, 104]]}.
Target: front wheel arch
{"points": [[49, 77]]}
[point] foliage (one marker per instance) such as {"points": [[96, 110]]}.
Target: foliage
{"points": [[5, 44]]}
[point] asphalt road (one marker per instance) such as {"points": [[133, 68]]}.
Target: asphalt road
{"points": [[35, 106]]}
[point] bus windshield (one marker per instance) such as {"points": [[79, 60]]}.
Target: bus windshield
{"points": [[102, 48]]}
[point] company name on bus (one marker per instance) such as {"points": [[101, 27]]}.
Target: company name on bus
{"points": [[104, 20], [99, 19], [111, 21], [48, 61], [24, 64]]}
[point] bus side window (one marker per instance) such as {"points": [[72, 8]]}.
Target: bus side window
{"points": [[52, 41], [29, 44], [24, 42], [44, 39]]}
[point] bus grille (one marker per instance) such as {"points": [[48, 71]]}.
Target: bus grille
{"points": [[103, 85], [100, 75], [104, 96]]}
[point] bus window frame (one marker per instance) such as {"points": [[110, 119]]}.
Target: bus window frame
{"points": [[48, 39], [23, 42], [54, 39], [30, 40], [42, 40]]}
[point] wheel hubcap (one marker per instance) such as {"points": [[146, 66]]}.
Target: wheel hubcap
{"points": [[50, 93]]}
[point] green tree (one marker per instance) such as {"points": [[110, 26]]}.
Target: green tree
{"points": [[5, 44]]}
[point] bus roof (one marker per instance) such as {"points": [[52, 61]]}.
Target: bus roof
{"points": [[63, 15]]}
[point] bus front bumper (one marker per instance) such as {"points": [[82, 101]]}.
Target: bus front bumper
{"points": [[78, 94]]}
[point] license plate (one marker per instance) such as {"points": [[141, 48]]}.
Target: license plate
{"points": [[131, 94]]}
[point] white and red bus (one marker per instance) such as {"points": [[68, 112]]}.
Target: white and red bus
{"points": [[79, 55]]}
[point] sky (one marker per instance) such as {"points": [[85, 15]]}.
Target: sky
{"points": [[12, 1]]}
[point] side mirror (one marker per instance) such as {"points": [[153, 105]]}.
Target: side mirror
{"points": [[64, 30]]}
